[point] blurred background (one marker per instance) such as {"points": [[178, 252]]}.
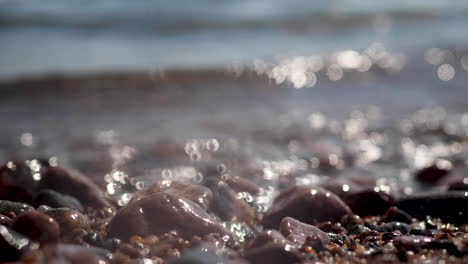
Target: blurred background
{"points": [[145, 86]]}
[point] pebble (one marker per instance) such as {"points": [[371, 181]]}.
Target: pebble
{"points": [[228, 206], [268, 236], [239, 184], [68, 219], [198, 194], [307, 205], [37, 226], [299, 232], [451, 207], [369, 202], [273, 254], [56, 200], [74, 184], [8, 207], [431, 174], [394, 226], [161, 213], [395, 214]]}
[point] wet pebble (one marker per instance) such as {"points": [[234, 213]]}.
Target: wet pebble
{"points": [[432, 174], [160, 213], [410, 242], [74, 184], [357, 229], [369, 202], [8, 208], [394, 226], [307, 205], [56, 200], [299, 232], [68, 219], [228, 206], [394, 214], [37, 226], [195, 193], [239, 184], [268, 236], [274, 254], [451, 207]]}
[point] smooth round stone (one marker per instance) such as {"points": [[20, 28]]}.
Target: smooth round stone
{"points": [[72, 183], [13, 244], [228, 207], [431, 174], [161, 213], [307, 205], [451, 207], [69, 220], [273, 253], [268, 236], [394, 226], [369, 202], [299, 232], [35, 175], [394, 214], [56, 200], [37, 226], [239, 184], [7, 207], [198, 194]]}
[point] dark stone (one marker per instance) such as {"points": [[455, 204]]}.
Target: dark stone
{"points": [[357, 229], [195, 193], [299, 232], [417, 232], [431, 174], [451, 207], [8, 207], [351, 220], [13, 245], [369, 202], [228, 206], [161, 213], [74, 184], [37, 226], [239, 184], [307, 205], [68, 219], [394, 226], [389, 236], [34, 175], [268, 236], [274, 254], [394, 214], [56, 200]]}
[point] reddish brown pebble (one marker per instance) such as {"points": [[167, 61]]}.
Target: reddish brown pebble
{"points": [[195, 193], [368, 202], [161, 213], [37, 226], [307, 205], [299, 232]]}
